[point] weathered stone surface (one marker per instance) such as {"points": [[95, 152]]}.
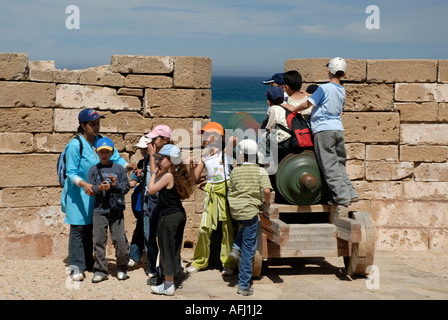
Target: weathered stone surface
{"points": [[402, 70], [192, 72], [414, 190], [373, 97], [355, 169], [25, 170], [148, 81], [421, 92], [66, 120], [424, 134], [402, 238], [379, 190], [101, 76], [51, 142], [356, 151], [424, 153], [417, 112], [141, 64], [442, 115], [315, 70], [443, 71], [371, 127], [13, 66], [130, 92], [431, 172], [30, 197], [382, 152], [438, 239], [66, 76], [26, 120], [380, 170], [178, 102], [27, 94], [41, 70], [16, 142], [103, 98]]}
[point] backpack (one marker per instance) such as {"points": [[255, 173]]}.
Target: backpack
{"points": [[298, 129], [61, 167]]}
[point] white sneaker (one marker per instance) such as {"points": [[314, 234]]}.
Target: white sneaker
{"points": [[162, 290], [122, 275], [78, 276], [192, 270], [132, 263]]}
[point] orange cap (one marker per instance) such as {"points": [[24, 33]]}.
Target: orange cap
{"points": [[213, 127]]}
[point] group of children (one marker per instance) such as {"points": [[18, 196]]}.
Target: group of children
{"points": [[230, 195]]}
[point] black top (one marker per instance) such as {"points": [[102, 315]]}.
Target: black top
{"points": [[169, 201]]}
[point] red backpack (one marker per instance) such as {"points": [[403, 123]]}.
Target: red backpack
{"points": [[298, 129]]}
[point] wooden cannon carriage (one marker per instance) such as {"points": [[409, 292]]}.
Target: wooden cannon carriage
{"points": [[316, 231]]}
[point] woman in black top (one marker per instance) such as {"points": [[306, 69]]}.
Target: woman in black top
{"points": [[175, 183]]}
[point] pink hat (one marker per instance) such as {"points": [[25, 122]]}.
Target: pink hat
{"points": [[160, 130]]}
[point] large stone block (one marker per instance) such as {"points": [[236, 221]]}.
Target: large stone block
{"points": [[148, 81], [101, 76], [431, 172], [417, 112], [355, 169], [103, 98], [66, 120], [28, 170], [365, 97], [421, 92], [442, 115], [141, 64], [178, 103], [356, 151], [30, 197], [424, 134], [417, 190], [382, 152], [52, 142], [443, 71], [26, 120], [13, 66], [402, 70], [192, 72], [379, 190], [424, 153], [382, 127], [42, 70], [315, 70], [16, 142], [27, 94], [380, 170]]}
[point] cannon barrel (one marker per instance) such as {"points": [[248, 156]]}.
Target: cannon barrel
{"points": [[298, 179]]}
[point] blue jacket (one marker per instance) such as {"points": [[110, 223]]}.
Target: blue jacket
{"points": [[75, 203]]}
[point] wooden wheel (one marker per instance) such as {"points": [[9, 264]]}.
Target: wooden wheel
{"points": [[257, 262], [361, 254]]}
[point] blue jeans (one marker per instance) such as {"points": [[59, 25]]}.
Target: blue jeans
{"points": [[246, 242]]}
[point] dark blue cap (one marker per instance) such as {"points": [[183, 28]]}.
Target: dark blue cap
{"points": [[87, 115], [276, 78], [276, 95]]}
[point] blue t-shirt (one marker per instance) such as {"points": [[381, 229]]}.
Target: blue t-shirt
{"points": [[328, 101]]}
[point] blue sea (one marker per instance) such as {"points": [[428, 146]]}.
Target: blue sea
{"points": [[237, 94]]}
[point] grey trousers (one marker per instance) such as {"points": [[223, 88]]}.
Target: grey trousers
{"points": [[115, 222], [329, 147]]}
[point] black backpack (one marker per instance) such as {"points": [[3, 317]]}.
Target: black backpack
{"points": [[298, 129]]}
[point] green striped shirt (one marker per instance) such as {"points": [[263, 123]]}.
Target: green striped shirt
{"points": [[246, 183]]}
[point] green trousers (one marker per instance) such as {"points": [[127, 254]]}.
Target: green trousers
{"points": [[215, 209]]}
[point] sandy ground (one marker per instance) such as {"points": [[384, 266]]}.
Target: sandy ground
{"points": [[401, 275]]}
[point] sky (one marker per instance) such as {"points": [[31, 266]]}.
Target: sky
{"points": [[242, 37]]}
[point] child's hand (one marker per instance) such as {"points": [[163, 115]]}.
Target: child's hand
{"points": [[151, 149], [113, 180], [104, 186], [138, 172]]}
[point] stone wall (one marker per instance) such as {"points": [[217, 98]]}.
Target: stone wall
{"points": [[395, 120], [39, 108]]}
